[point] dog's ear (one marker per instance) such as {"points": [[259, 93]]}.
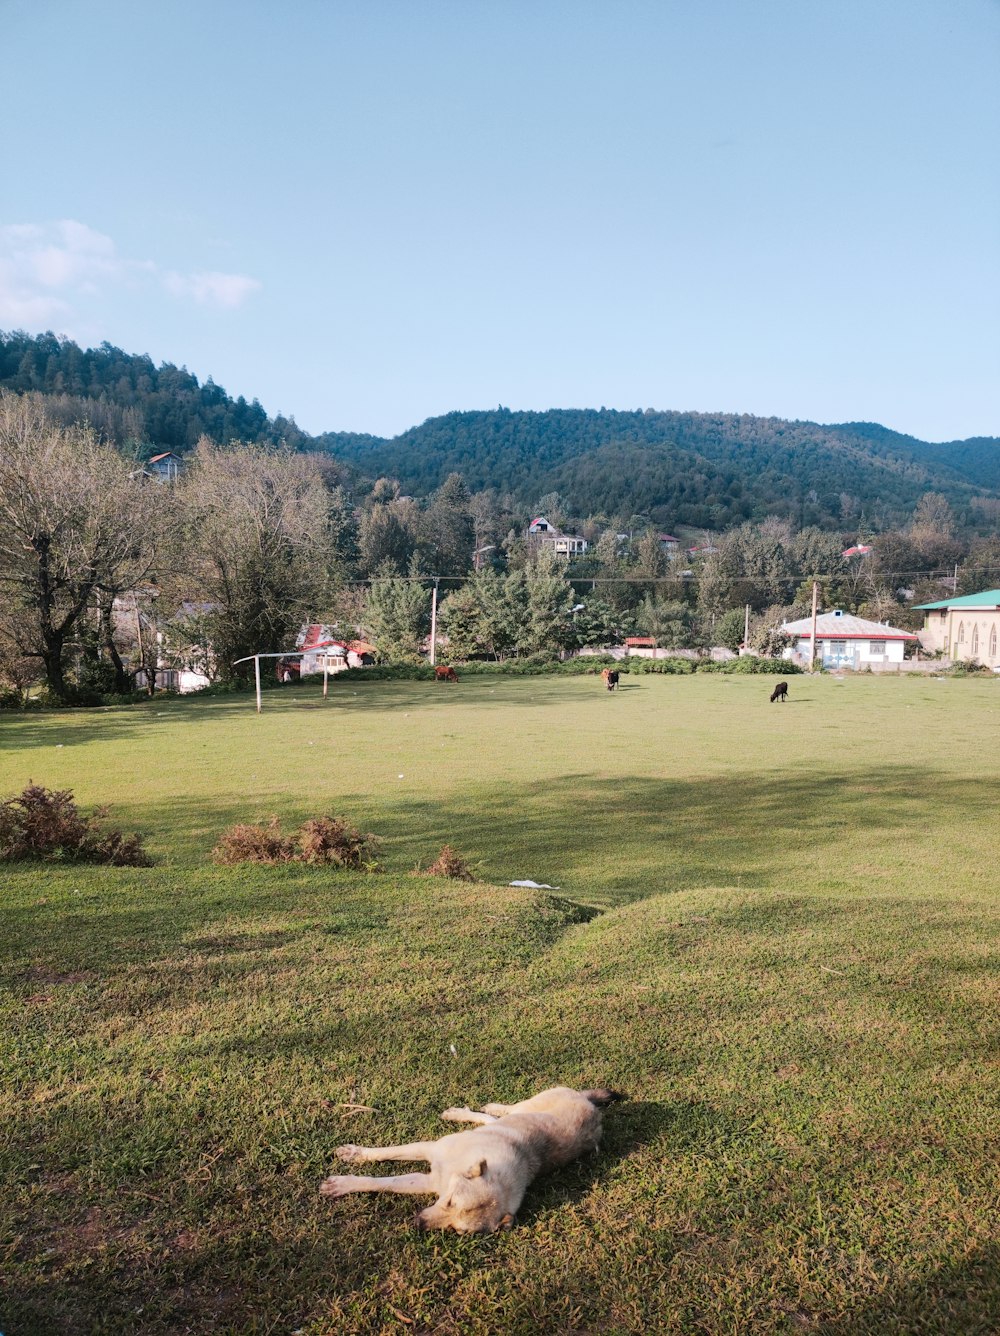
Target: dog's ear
{"points": [[476, 1170], [507, 1221]]}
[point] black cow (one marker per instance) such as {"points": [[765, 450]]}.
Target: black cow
{"points": [[780, 692]]}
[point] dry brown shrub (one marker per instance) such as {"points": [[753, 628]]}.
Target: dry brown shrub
{"points": [[323, 839], [451, 864], [326, 839], [47, 824], [255, 844]]}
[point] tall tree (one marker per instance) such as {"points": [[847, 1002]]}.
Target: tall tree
{"points": [[397, 616], [258, 548], [550, 599], [76, 522], [447, 530]]}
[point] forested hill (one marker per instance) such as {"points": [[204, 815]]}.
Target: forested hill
{"points": [[133, 401], [700, 469], [703, 469]]}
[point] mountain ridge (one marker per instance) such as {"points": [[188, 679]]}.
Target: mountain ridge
{"points": [[707, 470]]}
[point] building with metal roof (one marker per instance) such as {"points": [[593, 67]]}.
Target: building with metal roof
{"points": [[845, 641], [965, 628]]}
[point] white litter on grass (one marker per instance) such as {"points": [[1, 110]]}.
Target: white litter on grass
{"points": [[534, 885], [58, 745], [399, 776], [454, 1050]]}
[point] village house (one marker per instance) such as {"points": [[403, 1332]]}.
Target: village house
{"points": [[320, 649], [542, 534], [164, 467], [964, 628], [845, 641]]}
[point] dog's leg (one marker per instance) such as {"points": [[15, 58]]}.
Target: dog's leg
{"points": [[417, 1150], [468, 1116], [339, 1185], [497, 1110]]}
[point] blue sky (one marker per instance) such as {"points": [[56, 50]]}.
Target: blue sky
{"points": [[365, 214]]}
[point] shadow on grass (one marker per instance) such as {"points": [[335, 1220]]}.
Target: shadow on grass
{"points": [[963, 1296], [679, 1124], [618, 838], [73, 727]]}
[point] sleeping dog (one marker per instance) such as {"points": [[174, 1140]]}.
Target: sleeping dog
{"points": [[480, 1176]]}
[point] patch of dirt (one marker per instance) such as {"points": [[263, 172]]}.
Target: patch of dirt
{"points": [[39, 974]]}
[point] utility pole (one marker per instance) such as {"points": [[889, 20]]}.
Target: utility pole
{"points": [[434, 622], [746, 628], [812, 642]]}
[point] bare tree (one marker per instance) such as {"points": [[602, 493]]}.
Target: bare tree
{"points": [[76, 522], [256, 543]]}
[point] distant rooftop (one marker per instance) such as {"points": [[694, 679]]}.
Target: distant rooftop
{"points": [[988, 598], [844, 626]]}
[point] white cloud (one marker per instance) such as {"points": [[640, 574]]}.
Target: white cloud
{"points": [[48, 270], [212, 288]]}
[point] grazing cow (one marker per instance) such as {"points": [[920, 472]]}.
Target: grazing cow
{"points": [[445, 673], [610, 678], [780, 692]]}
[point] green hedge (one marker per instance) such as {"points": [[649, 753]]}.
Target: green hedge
{"points": [[750, 664], [579, 667]]}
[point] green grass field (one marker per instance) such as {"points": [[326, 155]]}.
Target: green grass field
{"points": [[775, 927]]}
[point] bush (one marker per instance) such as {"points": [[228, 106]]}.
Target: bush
{"points": [[670, 667], [325, 839], [321, 840], [46, 824], [12, 699], [451, 864], [255, 844], [750, 663]]}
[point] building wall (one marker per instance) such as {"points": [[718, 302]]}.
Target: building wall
{"points": [[963, 634], [855, 653]]}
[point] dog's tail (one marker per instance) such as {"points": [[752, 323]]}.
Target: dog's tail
{"points": [[602, 1098]]}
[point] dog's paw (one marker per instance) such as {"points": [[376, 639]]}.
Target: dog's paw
{"points": [[459, 1116], [335, 1186], [350, 1153]]}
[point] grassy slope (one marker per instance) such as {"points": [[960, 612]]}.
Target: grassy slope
{"points": [[796, 980]]}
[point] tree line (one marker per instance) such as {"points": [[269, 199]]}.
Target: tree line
{"points": [[105, 571], [705, 470]]}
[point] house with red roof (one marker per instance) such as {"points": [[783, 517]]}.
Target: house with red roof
{"points": [[321, 650], [542, 534], [165, 467]]}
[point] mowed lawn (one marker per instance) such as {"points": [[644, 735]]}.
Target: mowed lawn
{"points": [[776, 927]]}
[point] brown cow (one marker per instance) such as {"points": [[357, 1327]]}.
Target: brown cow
{"points": [[445, 673]]}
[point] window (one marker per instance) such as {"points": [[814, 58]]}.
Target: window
{"points": [[961, 633], [975, 641], [993, 643], [876, 648]]}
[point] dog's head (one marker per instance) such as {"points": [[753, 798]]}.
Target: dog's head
{"points": [[468, 1204]]}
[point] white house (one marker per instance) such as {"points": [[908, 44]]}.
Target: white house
{"points": [[545, 535], [319, 650], [845, 641]]}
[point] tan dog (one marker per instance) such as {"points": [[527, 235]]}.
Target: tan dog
{"points": [[480, 1177]]}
